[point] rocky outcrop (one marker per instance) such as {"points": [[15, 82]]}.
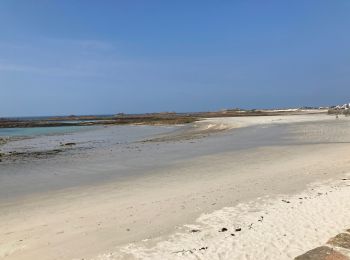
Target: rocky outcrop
{"points": [[322, 253], [337, 248]]}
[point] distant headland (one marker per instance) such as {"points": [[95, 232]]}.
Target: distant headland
{"points": [[162, 118]]}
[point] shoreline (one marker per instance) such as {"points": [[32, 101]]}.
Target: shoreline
{"points": [[145, 119], [143, 210], [200, 129], [88, 221]]}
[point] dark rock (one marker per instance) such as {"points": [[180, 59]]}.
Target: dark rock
{"points": [[195, 230], [223, 230], [286, 201], [341, 240], [238, 229], [68, 144], [322, 253]]}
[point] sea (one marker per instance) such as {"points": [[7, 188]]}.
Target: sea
{"points": [[35, 131]]}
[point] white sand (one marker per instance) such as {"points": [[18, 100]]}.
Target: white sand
{"points": [[223, 123], [280, 228], [213, 125]]}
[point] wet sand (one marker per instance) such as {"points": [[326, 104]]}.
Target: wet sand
{"points": [[91, 203]]}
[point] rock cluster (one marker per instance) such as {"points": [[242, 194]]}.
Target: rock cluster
{"points": [[337, 248]]}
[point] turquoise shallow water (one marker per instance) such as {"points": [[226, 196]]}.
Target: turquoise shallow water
{"points": [[35, 131]]}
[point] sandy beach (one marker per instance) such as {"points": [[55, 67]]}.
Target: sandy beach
{"points": [[269, 187], [174, 130]]}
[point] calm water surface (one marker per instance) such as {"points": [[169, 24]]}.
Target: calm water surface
{"points": [[35, 131]]}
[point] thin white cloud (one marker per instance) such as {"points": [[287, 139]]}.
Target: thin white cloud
{"points": [[19, 68], [66, 45], [85, 44], [46, 71], [93, 44]]}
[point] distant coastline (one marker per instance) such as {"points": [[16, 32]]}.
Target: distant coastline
{"points": [[165, 118]]}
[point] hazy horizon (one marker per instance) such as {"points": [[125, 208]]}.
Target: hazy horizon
{"points": [[89, 58], [150, 112]]}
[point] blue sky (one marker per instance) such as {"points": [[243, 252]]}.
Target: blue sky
{"points": [[103, 57]]}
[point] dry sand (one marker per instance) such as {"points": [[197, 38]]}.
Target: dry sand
{"points": [[264, 228], [223, 123], [232, 189]]}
